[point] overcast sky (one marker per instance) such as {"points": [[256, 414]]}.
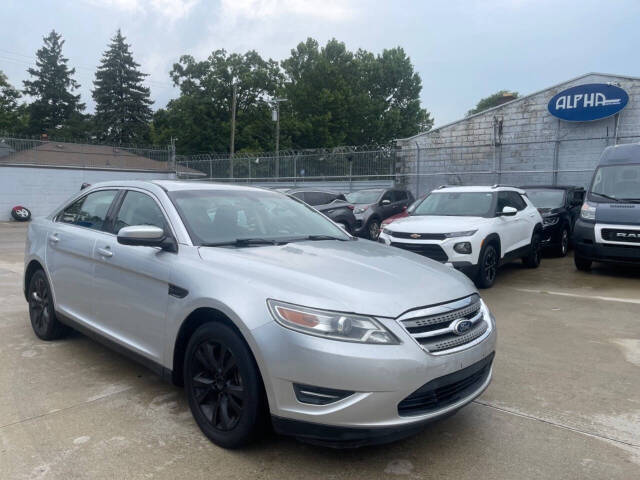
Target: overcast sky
{"points": [[463, 50]]}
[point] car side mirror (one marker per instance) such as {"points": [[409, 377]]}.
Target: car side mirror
{"points": [[147, 236], [508, 212], [386, 201]]}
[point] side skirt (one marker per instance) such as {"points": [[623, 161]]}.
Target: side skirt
{"points": [[164, 372]]}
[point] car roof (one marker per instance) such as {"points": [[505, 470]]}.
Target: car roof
{"points": [[480, 189], [552, 187], [309, 189], [621, 154], [176, 185]]}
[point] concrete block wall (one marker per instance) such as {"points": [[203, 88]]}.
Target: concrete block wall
{"points": [[43, 189], [524, 150]]}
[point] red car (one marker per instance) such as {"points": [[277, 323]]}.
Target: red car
{"points": [[404, 213]]}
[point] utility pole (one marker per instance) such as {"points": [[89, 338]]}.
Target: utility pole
{"points": [[277, 119], [232, 147]]}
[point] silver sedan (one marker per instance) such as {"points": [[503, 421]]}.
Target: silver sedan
{"points": [[263, 308]]}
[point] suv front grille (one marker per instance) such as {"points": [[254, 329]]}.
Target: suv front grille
{"points": [[447, 390], [444, 327], [431, 250], [422, 236], [620, 235]]}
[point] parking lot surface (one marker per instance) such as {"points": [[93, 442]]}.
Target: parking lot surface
{"points": [[564, 402]]}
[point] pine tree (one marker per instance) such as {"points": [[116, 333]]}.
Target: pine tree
{"points": [[54, 103], [123, 108], [8, 105]]}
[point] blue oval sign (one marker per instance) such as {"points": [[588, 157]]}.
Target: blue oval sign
{"points": [[585, 103]]}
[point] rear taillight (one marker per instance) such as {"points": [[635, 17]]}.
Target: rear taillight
{"points": [[350, 207]]}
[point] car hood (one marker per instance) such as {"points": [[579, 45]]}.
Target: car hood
{"points": [[618, 213], [356, 276], [436, 224]]}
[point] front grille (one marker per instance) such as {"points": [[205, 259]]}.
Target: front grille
{"points": [[433, 251], [422, 236], [447, 390], [620, 235], [441, 328]]}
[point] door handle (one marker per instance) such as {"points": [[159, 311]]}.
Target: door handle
{"points": [[105, 252], [54, 238]]}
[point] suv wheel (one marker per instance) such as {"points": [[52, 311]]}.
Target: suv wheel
{"points": [[533, 259], [563, 248], [374, 229], [223, 386], [41, 312], [487, 267], [582, 264]]}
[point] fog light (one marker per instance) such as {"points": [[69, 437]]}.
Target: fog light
{"points": [[463, 247]]}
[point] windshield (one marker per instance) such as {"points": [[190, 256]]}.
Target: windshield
{"points": [[546, 198], [617, 181], [364, 196], [219, 216], [459, 204]]}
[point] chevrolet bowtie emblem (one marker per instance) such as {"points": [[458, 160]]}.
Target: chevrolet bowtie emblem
{"points": [[415, 235]]}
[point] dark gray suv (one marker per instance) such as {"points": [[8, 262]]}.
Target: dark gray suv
{"points": [[375, 205]]}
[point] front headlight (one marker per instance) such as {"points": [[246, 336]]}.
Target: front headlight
{"points": [[588, 211], [468, 233], [549, 221], [386, 231], [333, 325], [360, 210]]}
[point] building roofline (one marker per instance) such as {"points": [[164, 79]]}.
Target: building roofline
{"points": [[515, 100]]}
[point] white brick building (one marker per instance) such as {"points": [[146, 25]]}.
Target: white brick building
{"points": [[520, 142]]}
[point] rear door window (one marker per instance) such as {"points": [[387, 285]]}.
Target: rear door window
{"points": [[89, 211]]}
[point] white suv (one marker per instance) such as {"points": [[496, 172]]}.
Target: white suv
{"points": [[473, 229]]}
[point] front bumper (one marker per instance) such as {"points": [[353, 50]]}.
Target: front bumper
{"points": [[587, 246], [382, 376]]}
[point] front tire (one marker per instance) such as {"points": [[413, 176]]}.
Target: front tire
{"points": [[533, 259], [223, 386], [373, 230], [41, 311], [487, 266]]}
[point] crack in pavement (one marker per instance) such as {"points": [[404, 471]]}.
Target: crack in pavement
{"points": [[555, 424]]}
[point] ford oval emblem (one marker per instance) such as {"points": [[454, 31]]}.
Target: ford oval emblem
{"points": [[461, 326], [585, 103]]}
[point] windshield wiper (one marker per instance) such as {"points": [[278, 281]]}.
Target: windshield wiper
{"points": [[608, 197], [630, 200], [319, 237], [244, 242]]}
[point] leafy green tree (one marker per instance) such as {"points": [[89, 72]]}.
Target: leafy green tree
{"points": [[498, 98], [201, 117], [52, 85], [341, 98], [123, 107], [9, 113]]}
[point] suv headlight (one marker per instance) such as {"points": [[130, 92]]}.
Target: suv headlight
{"points": [[551, 220], [360, 209], [588, 211], [333, 325], [468, 233]]}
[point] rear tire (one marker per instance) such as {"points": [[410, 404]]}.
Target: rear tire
{"points": [[223, 386], [582, 264], [533, 259], [487, 266], [41, 310]]}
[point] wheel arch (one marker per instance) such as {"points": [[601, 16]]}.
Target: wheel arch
{"points": [[494, 239], [33, 266]]}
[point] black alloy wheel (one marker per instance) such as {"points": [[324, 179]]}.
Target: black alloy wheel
{"points": [[217, 385], [223, 386], [41, 311], [532, 260], [488, 267]]}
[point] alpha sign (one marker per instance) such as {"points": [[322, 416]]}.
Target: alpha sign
{"points": [[585, 103]]}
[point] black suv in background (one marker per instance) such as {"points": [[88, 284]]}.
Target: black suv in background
{"points": [[374, 205], [560, 208], [334, 205]]}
